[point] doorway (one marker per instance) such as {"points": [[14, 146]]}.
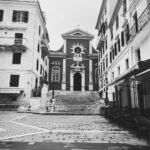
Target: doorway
{"points": [[77, 81]]}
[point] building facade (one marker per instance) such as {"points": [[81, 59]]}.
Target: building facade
{"points": [[124, 56], [23, 50], [74, 67]]}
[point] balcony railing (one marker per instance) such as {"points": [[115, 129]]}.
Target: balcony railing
{"points": [[44, 47], [100, 40], [142, 20], [10, 43]]}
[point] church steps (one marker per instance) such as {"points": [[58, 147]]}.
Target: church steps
{"points": [[76, 102]]}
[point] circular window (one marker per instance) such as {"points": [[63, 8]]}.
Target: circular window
{"points": [[77, 50]]}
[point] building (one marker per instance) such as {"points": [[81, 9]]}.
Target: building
{"points": [[74, 67], [23, 50], [124, 56]]}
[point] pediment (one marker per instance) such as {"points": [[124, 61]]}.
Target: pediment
{"points": [[77, 33]]}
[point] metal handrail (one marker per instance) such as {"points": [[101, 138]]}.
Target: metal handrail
{"points": [[140, 24]]}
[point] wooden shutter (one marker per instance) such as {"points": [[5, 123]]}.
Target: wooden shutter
{"points": [[26, 17], [14, 19], [1, 15]]}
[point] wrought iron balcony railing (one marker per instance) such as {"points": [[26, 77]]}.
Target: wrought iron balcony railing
{"points": [[100, 40], [141, 22], [10, 43]]}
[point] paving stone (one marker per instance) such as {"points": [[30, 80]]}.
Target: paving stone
{"points": [[46, 128]]}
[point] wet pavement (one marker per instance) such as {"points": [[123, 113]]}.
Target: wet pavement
{"points": [[65, 132]]}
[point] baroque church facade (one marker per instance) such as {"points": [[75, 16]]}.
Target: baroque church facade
{"points": [[74, 67]]}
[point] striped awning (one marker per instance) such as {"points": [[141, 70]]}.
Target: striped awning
{"points": [[10, 91]]}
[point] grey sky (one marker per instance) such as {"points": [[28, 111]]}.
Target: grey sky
{"points": [[64, 15]]}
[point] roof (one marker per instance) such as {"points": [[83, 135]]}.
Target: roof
{"points": [[77, 34]]}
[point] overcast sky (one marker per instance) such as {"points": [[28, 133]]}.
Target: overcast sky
{"points": [[65, 15]]}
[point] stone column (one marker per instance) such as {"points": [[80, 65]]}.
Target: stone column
{"points": [[83, 81], [63, 86], [71, 81]]}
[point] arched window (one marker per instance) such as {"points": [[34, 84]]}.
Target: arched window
{"points": [[55, 74]]}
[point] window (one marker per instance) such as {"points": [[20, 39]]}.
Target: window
{"points": [[39, 30], [20, 16], [118, 44], [127, 33], [113, 53], [101, 67], [36, 83], [55, 77], [38, 49], [127, 63], [106, 43], [1, 15], [16, 58], [106, 61], [41, 68], [112, 75], [104, 65], [118, 70], [37, 65], [110, 54], [14, 80], [45, 77], [111, 32], [103, 49], [124, 7], [138, 55], [122, 38], [135, 20], [18, 38], [117, 22], [115, 47]]}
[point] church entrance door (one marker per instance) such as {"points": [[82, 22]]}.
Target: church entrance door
{"points": [[77, 81]]}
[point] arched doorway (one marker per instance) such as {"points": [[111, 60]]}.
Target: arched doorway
{"points": [[77, 81]]}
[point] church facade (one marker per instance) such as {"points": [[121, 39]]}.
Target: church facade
{"points": [[74, 67]]}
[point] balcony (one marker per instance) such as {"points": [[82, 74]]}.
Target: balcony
{"points": [[44, 47], [13, 44], [133, 4], [142, 21], [100, 41]]}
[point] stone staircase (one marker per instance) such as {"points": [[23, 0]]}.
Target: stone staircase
{"points": [[76, 102]]}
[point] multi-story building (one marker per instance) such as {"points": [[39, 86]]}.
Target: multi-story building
{"points": [[123, 44], [23, 49]]}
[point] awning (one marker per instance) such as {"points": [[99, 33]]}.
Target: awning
{"points": [[10, 91], [140, 67]]}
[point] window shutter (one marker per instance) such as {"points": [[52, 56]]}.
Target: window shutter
{"points": [[1, 15], [14, 19], [26, 17], [115, 47], [122, 38]]}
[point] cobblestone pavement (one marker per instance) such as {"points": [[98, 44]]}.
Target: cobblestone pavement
{"points": [[34, 128]]}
